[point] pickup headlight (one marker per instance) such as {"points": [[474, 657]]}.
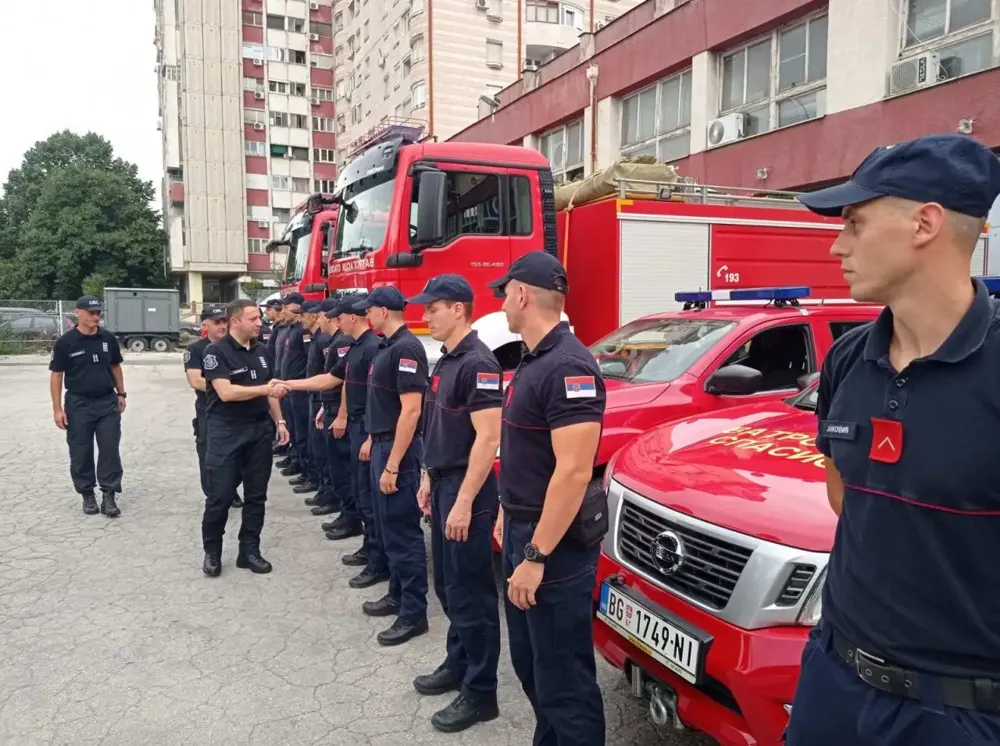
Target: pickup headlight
{"points": [[812, 609]]}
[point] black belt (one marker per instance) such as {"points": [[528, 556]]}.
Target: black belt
{"points": [[522, 512], [969, 694], [382, 437], [454, 471]]}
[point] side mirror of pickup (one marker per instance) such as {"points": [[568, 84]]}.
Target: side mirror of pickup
{"points": [[431, 201], [734, 380], [806, 380]]}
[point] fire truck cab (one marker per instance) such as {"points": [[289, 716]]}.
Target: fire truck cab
{"points": [[308, 238]]}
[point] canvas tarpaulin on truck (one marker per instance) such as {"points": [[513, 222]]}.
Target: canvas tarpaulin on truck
{"points": [[642, 176]]}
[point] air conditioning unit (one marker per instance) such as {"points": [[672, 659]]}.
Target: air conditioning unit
{"points": [[315, 102], [530, 66], [313, 6], [482, 4], [313, 37], [259, 96], [258, 62], [263, 224], [259, 127], [914, 73], [726, 129], [599, 25], [314, 63]]}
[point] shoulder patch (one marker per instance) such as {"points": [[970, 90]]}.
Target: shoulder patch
{"points": [[325, 350], [580, 387], [407, 366], [187, 356], [341, 351], [488, 381], [211, 363]]}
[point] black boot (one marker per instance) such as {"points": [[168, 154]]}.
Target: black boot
{"points": [[441, 681], [401, 631], [367, 578], [315, 500], [250, 559], [280, 450], [236, 503], [344, 530], [385, 606], [326, 508], [212, 566], [304, 487], [283, 463], [108, 505], [356, 559], [464, 712], [290, 471], [90, 503]]}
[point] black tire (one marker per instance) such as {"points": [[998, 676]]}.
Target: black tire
{"points": [[160, 344], [136, 344]]}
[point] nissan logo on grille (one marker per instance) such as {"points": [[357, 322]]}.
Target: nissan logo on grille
{"points": [[668, 552]]}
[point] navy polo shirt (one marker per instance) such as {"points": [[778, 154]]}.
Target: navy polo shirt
{"points": [[316, 360], [264, 335], [293, 360], [276, 344], [914, 575], [468, 379], [353, 369], [85, 361], [242, 366], [336, 350], [557, 384], [400, 367], [194, 356]]}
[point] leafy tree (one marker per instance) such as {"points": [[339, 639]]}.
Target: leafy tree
{"points": [[254, 289], [73, 219]]}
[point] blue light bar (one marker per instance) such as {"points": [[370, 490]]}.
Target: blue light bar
{"points": [[765, 294], [992, 283]]}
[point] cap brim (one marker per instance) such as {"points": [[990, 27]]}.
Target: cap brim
{"points": [[423, 299], [831, 201], [363, 305]]}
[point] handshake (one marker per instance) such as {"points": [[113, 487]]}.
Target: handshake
{"points": [[277, 389]]}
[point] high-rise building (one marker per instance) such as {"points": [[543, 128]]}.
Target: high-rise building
{"points": [[247, 116], [433, 61]]}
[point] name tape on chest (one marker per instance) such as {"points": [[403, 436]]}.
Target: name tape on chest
{"points": [[244, 369], [580, 387], [407, 366], [488, 381], [77, 353], [210, 362]]}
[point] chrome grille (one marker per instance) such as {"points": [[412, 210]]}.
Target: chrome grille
{"points": [[796, 585], [711, 568]]}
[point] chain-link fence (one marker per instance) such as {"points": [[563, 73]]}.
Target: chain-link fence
{"points": [[28, 326]]}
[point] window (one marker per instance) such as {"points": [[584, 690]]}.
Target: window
{"points": [[322, 94], [473, 204], [572, 17], [277, 86], [281, 214], [252, 19], [839, 328], [276, 22], [300, 185], [322, 124], [279, 119], [418, 94], [338, 56], [782, 354], [296, 57], [417, 49], [300, 154], [657, 120], [520, 206], [172, 72], [324, 185], [296, 25], [299, 121], [932, 19], [542, 12], [323, 155], [254, 116], [280, 182], [254, 148], [257, 245], [253, 84], [260, 213], [779, 80], [277, 54], [338, 22], [253, 51], [297, 89], [321, 29], [563, 146], [494, 54]]}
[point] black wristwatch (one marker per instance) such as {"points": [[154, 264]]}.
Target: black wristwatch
{"points": [[531, 554], [122, 395]]}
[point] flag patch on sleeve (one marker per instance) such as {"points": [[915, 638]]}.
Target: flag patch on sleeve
{"points": [[407, 366], [580, 387], [488, 381], [341, 351]]}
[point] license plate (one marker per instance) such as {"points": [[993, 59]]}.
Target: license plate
{"points": [[675, 649]]}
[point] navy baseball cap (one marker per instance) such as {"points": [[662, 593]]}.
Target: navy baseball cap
{"points": [[90, 303], [537, 268], [384, 296], [309, 306], [293, 298], [213, 314], [327, 304], [346, 304], [273, 303], [957, 172], [444, 287]]}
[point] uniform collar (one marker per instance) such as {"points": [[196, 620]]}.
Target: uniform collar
{"points": [[465, 345], [364, 335], [231, 341], [964, 340], [550, 340], [396, 336]]}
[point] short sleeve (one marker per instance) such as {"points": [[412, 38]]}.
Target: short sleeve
{"points": [[574, 393], [411, 371], [824, 395], [60, 358], [116, 350], [215, 364], [193, 357], [483, 384]]}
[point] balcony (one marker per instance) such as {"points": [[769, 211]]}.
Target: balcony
{"points": [[550, 28]]}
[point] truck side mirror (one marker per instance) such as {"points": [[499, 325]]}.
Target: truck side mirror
{"points": [[734, 380], [324, 260], [431, 200], [806, 380]]}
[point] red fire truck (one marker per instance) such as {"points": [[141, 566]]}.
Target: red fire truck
{"points": [[308, 238]]}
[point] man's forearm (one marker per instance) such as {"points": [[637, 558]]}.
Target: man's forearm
{"points": [[342, 409], [116, 373], [322, 382], [406, 425], [55, 390], [484, 451], [562, 502], [242, 393], [275, 407]]}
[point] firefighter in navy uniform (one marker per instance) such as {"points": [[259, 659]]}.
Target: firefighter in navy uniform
{"points": [[276, 348], [315, 365], [242, 413], [396, 384], [553, 520], [293, 367], [270, 311], [87, 359], [907, 649], [213, 323], [338, 450], [459, 491]]}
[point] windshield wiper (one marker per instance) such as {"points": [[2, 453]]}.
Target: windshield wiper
{"points": [[361, 248], [616, 376]]}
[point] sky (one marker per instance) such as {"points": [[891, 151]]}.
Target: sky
{"points": [[82, 66]]}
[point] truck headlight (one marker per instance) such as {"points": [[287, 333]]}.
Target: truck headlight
{"points": [[812, 609]]}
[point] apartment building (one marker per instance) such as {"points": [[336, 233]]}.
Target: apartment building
{"points": [[247, 118], [773, 94], [436, 61]]}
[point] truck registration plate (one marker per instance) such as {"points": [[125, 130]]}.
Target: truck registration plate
{"points": [[675, 649]]}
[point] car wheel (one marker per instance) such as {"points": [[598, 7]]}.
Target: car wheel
{"points": [[136, 344], [160, 344]]}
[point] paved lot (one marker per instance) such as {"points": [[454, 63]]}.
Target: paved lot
{"points": [[109, 633]]}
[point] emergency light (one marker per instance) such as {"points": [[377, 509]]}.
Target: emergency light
{"points": [[765, 294]]}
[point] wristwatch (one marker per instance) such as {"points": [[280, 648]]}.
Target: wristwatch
{"points": [[280, 422], [122, 395], [531, 554]]}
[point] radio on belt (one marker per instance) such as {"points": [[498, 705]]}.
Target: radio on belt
{"points": [[699, 299]]}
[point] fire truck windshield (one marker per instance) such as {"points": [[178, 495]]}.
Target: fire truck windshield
{"points": [[657, 350], [370, 212], [298, 253]]}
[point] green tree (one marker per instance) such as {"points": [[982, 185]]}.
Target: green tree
{"points": [[75, 218], [254, 289]]}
